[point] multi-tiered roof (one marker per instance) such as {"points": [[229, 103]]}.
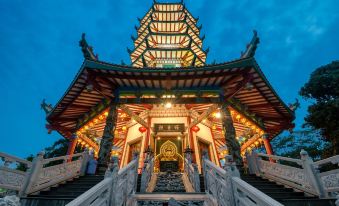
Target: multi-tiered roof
{"points": [[168, 36]]}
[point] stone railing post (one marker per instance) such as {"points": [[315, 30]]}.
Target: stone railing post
{"points": [[196, 178], [33, 174], [85, 158], [112, 172], [231, 171], [230, 166], [312, 173]]}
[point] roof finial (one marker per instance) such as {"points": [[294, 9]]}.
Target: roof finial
{"points": [[203, 37], [46, 107], [87, 50], [252, 46]]}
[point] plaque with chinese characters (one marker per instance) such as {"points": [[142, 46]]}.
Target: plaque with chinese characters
{"points": [[169, 127]]}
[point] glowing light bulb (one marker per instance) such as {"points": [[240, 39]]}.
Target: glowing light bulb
{"points": [[168, 105], [217, 115]]}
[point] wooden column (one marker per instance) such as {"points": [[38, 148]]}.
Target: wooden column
{"points": [[107, 138], [267, 144], [190, 139], [231, 142], [71, 147]]}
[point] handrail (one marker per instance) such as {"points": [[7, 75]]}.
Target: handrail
{"points": [[307, 178], [11, 177], [11, 158], [146, 174], [332, 160], [117, 186], [225, 186], [246, 194], [192, 173], [298, 161], [40, 175], [91, 197]]}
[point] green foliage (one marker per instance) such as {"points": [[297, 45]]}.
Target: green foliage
{"points": [[23, 167], [323, 90], [59, 148], [290, 145]]}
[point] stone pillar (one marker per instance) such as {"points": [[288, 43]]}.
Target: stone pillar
{"points": [[107, 138], [231, 142], [267, 144]]}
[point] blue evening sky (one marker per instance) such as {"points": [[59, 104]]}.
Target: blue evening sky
{"points": [[40, 55]]}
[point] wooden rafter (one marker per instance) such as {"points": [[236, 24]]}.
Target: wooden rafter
{"points": [[138, 119], [204, 115]]}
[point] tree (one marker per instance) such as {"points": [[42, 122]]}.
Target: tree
{"points": [[290, 145], [323, 89], [59, 148]]}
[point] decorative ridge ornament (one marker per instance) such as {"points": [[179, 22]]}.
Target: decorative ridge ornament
{"points": [[86, 49], [294, 106], [252, 46], [46, 107]]}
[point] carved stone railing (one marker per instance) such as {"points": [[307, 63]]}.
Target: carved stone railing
{"points": [[41, 173], [329, 179], [10, 177], [302, 174], [44, 176], [192, 173], [225, 186], [146, 174], [114, 190]]}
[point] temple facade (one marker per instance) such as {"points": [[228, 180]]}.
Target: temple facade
{"points": [[169, 102]]}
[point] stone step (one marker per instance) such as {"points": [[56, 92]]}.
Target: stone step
{"points": [[39, 201], [308, 202]]}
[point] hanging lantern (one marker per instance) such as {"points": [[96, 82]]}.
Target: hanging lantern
{"points": [[124, 128], [142, 129], [195, 129]]}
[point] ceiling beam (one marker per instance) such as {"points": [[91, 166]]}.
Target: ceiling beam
{"points": [[138, 119], [204, 115]]}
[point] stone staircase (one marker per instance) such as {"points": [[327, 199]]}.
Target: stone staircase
{"points": [[63, 193], [170, 190], [286, 196]]}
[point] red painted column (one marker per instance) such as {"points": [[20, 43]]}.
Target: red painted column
{"points": [[71, 147], [267, 144], [190, 138]]}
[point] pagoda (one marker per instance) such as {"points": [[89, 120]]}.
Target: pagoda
{"points": [[169, 102]]}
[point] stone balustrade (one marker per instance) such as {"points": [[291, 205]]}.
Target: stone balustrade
{"points": [[302, 174], [41, 173], [192, 172], [227, 189], [115, 190], [146, 174]]}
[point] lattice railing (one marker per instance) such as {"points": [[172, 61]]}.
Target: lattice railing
{"points": [[302, 174]]}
